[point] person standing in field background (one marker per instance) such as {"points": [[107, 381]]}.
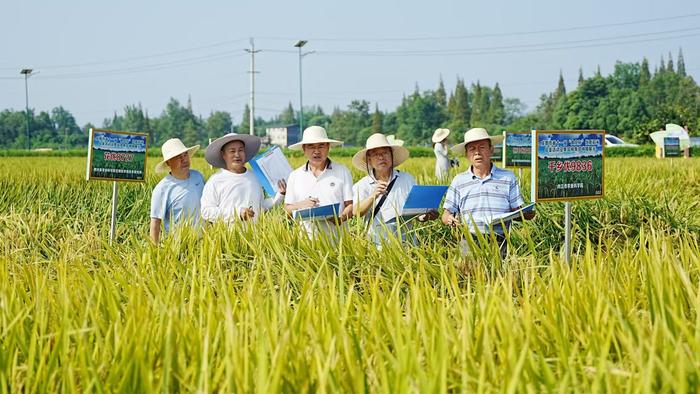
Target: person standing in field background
{"points": [[381, 194], [483, 191], [442, 162], [175, 198], [319, 182], [234, 192]]}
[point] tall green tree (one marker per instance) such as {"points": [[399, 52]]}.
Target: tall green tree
{"points": [[377, 120], [497, 112], [288, 116], [244, 127], [217, 124], [459, 107], [680, 63]]}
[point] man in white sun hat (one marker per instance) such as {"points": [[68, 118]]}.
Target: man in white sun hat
{"points": [[483, 191], [234, 193], [381, 194], [319, 182], [442, 162], [175, 198]]}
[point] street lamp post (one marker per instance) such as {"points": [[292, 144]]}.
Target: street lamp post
{"points": [[300, 44], [27, 72]]}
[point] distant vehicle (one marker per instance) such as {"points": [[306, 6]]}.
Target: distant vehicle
{"points": [[612, 141], [695, 142]]}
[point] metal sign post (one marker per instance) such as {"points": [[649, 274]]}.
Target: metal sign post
{"points": [[567, 232], [113, 223]]}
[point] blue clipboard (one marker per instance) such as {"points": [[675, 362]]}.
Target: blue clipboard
{"points": [[317, 213], [422, 199], [270, 164]]}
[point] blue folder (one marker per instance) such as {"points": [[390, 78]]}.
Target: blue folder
{"points": [[280, 168], [422, 199], [317, 213]]}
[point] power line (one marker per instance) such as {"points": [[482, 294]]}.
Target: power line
{"points": [[557, 45], [520, 33], [130, 59], [144, 68]]}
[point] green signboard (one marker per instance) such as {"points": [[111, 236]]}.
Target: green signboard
{"points": [[117, 156], [568, 165], [672, 147], [518, 149], [497, 153]]}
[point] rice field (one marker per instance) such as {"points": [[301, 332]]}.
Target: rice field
{"points": [[263, 309]]}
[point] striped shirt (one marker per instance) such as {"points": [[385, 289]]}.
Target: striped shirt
{"points": [[478, 200]]}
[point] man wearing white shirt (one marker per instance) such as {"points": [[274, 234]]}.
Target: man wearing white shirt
{"points": [[234, 193], [319, 182]]}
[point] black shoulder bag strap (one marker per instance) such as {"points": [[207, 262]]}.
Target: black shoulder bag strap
{"points": [[381, 200]]}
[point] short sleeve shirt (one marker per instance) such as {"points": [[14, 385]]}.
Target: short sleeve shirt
{"points": [[478, 200], [177, 200], [386, 219], [332, 186]]}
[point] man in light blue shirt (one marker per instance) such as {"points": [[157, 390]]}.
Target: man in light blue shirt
{"points": [[483, 192], [176, 198]]}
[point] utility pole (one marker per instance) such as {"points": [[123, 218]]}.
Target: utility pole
{"points": [[27, 72], [299, 45], [252, 72]]}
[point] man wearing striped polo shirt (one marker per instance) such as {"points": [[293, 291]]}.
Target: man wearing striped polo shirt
{"points": [[484, 191]]}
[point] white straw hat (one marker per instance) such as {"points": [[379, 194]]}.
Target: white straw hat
{"points": [[393, 140], [171, 148], [213, 153], [314, 135], [377, 140], [476, 134], [440, 134]]}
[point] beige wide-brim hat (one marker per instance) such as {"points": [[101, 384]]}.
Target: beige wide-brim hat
{"points": [[377, 140], [440, 134], [394, 141], [213, 153], [473, 135], [172, 148], [314, 135]]}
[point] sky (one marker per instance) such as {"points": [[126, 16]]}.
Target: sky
{"points": [[95, 57]]}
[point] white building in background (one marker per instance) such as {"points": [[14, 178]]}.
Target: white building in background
{"points": [[283, 135]]}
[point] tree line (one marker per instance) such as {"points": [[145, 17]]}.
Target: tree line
{"points": [[631, 102]]}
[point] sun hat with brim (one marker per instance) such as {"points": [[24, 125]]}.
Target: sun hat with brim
{"points": [[172, 148], [213, 153], [473, 135], [393, 140], [440, 134], [377, 140], [314, 135]]}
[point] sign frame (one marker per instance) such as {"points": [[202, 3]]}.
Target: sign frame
{"points": [[679, 151], [91, 155], [535, 166], [505, 148]]}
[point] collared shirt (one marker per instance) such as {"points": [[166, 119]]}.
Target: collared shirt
{"points": [[176, 200], [332, 186], [385, 220], [227, 192], [478, 200]]}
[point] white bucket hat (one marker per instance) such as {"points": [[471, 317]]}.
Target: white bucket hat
{"points": [[172, 148], [476, 134], [213, 153], [393, 140], [314, 135], [440, 134], [377, 140]]}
